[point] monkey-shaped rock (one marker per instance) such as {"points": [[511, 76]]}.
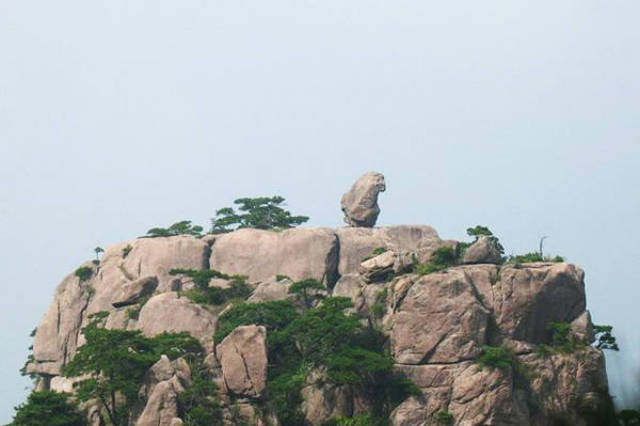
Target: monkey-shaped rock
{"points": [[360, 203]]}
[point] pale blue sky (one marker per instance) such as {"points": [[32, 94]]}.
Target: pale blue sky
{"points": [[117, 116]]}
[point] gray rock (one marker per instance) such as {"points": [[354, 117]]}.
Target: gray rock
{"points": [[360, 203], [164, 381], [243, 358], [132, 292], [169, 313], [261, 255], [439, 320], [357, 243], [528, 297], [484, 250], [271, 290]]}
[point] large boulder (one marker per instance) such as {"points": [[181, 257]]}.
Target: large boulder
{"points": [[360, 203], [528, 297], [164, 381], [440, 319], [158, 256], [359, 243], [467, 393], [298, 253], [132, 292], [170, 313], [271, 290], [243, 358], [484, 250]]}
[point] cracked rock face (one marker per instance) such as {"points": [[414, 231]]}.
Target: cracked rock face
{"points": [[440, 319], [243, 358], [360, 203]]}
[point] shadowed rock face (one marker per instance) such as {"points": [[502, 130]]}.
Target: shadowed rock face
{"points": [[436, 325], [360, 203]]}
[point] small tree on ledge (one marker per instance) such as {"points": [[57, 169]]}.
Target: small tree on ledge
{"points": [[258, 213]]}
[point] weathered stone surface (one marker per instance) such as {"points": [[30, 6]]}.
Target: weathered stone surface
{"points": [[356, 243], [351, 286], [131, 292], [529, 297], [261, 255], [439, 320], [582, 328], [484, 250], [323, 401], [57, 334], [162, 384], [271, 290], [169, 313], [378, 268], [243, 358], [157, 256], [569, 388], [360, 203]]}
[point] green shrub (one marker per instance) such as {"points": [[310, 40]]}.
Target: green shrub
{"points": [[444, 418], [379, 306], [281, 277], [604, 337], [495, 357], [306, 291], [238, 289], [258, 213], [200, 277], [441, 260], [275, 316], [126, 250], [183, 227], [534, 257], [358, 420], [47, 408], [197, 404], [84, 273]]}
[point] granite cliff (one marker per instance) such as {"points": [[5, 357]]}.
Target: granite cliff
{"points": [[437, 325]]}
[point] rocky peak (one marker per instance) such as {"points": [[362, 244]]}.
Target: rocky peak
{"points": [[437, 325]]}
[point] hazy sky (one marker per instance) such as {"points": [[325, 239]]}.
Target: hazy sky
{"points": [[117, 116]]}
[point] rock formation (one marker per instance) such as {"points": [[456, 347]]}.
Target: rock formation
{"points": [[360, 203], [436, 325]]}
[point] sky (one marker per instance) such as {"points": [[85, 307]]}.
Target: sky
{"points": [[119, 116]]}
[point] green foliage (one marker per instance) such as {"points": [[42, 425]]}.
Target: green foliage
{"points": [[115, 362], [281, 277], [84, 273], [321, 337], [562, 340], [444, 418], [306, 291], [358, 420], [183, 227], [534, 257], [98, 250], [629, 417], [379, 305], [258, 213], [126, 250], [197, 404], [275, 316], [605, 338], [441, 260], [205, 295], [495, 357], [200, 277], [479, 230], [47, 408]]}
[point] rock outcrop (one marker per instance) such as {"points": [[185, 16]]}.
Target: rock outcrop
{"points": [[436, 325], [243, 358], [360, 203]]}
